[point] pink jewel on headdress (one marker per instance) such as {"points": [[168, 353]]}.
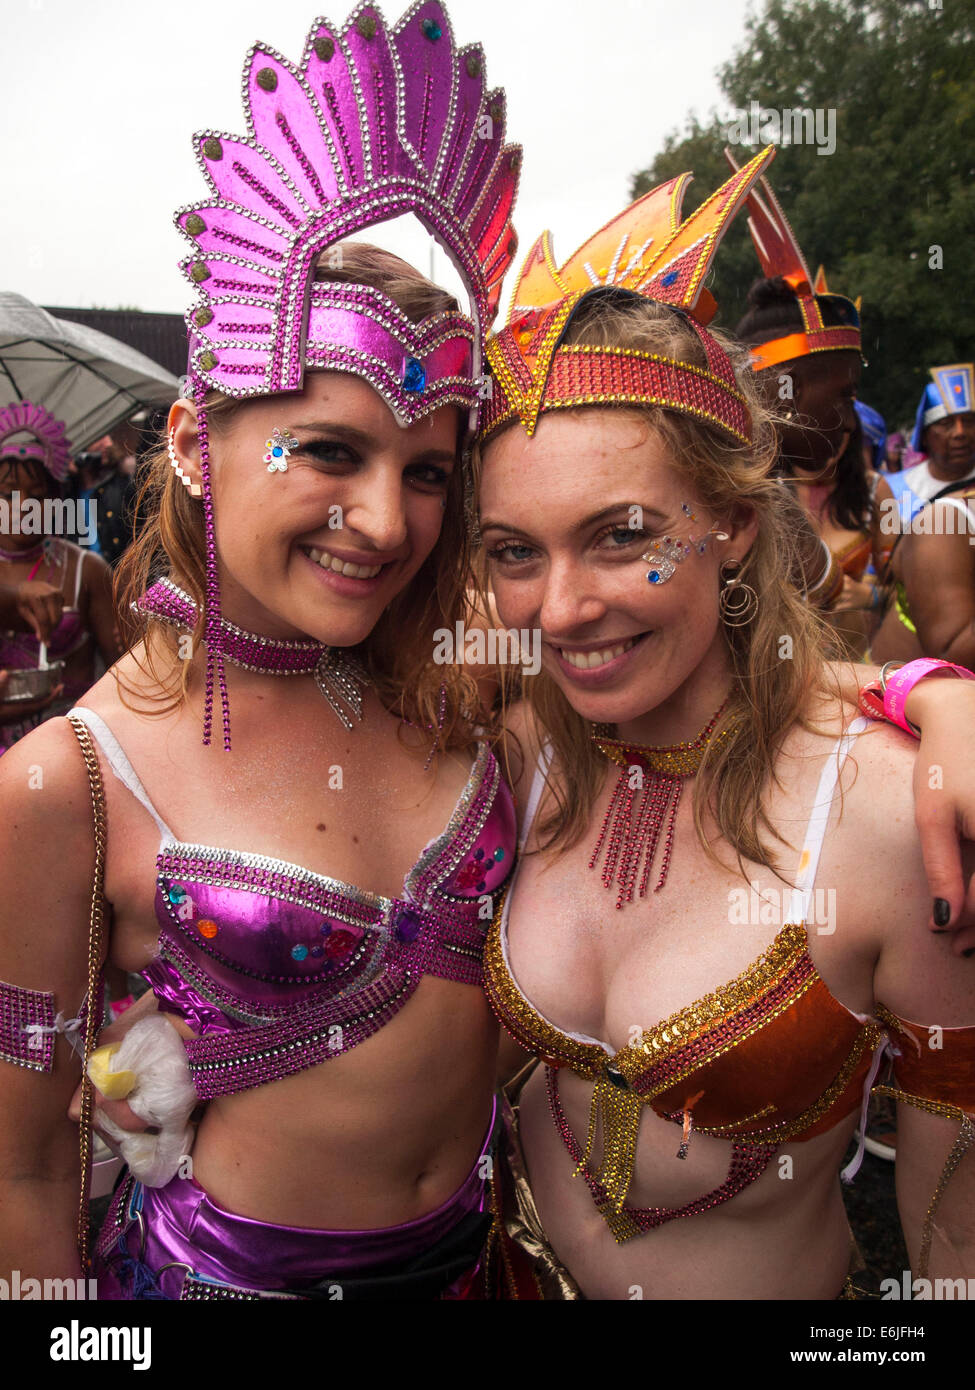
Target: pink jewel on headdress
{"points": [[279, 448]]}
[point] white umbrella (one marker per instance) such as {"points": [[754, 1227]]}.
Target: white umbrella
{"points": [[84, 378]]}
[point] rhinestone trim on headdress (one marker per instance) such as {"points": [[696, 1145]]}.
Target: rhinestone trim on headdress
{"points": [[373, 123], [646, 251]]}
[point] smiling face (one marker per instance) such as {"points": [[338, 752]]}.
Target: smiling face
{"points": [[321, 549], [566, 518]]}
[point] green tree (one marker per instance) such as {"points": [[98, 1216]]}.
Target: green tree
{"points": [[900, 75]]}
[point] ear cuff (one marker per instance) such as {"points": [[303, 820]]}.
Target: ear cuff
{"points": [[194, 489]]}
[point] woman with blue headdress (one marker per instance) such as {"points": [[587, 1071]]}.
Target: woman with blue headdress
{"points": [[933, 562], [944, 434]]}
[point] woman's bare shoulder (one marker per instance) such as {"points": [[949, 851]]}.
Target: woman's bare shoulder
{"points": [[45, 797], [94, 566], [876, 784], [130, 688]]}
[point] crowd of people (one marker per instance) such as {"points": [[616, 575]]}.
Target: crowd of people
{"points": [[338, 864]]}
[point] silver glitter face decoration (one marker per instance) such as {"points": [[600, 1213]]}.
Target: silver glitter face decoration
{"points": [[279, 448], [665, 555]]}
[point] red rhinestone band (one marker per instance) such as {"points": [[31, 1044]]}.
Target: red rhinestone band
{"points": [[583, 375]]}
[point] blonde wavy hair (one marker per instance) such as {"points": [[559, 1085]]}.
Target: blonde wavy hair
{"points": [[398, 653], [777, 660]]}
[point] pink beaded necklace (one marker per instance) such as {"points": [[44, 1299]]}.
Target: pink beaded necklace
{"points": [[644, 806], [30, 553], [340, 676]]}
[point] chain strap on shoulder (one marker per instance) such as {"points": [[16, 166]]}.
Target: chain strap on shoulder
{"points": [[96, 947]]}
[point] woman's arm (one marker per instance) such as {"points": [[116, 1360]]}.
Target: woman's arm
{"points": [[933, 997], [34, 602], [101, 615], [939, 577], [882, 534], [46, 867], [943, 708]]}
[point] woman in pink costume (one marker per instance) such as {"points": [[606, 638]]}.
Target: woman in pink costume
{"points": [[716, 932], [306, 898], [68, 591]]}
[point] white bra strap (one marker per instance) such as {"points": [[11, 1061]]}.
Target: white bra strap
{"points": [[802, 894], [535, 794], [121, 767]]}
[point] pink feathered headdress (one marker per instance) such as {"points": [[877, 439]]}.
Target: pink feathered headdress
{"points": [[49, 443]]}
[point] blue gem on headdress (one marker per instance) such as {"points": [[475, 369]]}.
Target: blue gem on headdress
{"points": [[414, 377], [654, 577], [299, 952], [432, 30], [669, 279]]}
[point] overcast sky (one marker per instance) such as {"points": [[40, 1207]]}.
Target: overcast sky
{"points": [[101, 97]]}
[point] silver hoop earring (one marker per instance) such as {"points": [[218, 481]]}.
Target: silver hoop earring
{"points": [[737, 602]]}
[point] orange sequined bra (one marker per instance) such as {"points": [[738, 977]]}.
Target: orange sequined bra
{"points": [[771, 1056]]}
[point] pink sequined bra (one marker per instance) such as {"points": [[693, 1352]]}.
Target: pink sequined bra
{"points": [[278, 969]]}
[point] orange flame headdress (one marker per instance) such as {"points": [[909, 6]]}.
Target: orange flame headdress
{"points": [[779, 254], [647, 251]]}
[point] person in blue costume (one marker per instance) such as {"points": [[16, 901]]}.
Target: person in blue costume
{"points": [[944, 431]]}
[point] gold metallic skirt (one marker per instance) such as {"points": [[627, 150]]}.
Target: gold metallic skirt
{"points": [[520, 1263]]}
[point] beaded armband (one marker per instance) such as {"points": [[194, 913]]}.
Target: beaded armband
{"points": [[28, 1026]]}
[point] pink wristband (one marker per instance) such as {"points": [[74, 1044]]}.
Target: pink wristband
{"points": [[903, 681]]}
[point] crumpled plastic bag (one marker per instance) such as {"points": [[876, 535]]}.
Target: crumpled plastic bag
{"points": [[163, 1096]]}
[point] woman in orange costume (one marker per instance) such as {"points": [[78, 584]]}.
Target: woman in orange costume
{"points": [[704, 1070]]}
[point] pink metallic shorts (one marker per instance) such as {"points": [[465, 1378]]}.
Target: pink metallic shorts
{"points": [[176, 1243]]}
